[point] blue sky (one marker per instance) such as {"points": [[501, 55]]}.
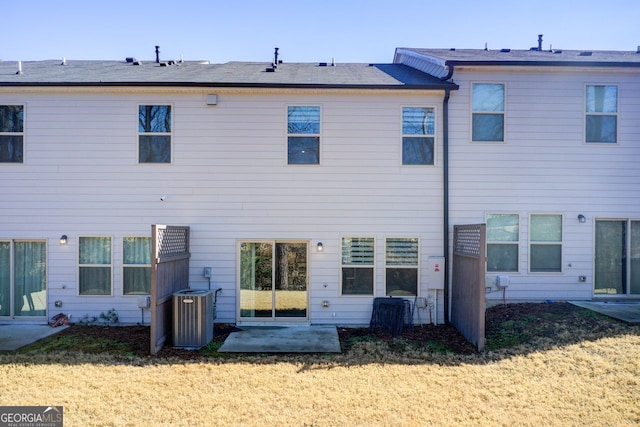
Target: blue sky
{"points": [[305, 31]]}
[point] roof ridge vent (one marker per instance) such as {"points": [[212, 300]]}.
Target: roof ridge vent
{"points": [[585, 53], [505, 50]]}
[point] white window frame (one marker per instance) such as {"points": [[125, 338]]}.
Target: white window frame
{"points": [[302, 135], [587, 114], [110, 265], [371, 266], [22, 134], [503, 112], [504, 242], [169, 134], [403, 135], [402, 266], [542, 243], [132, 265]]}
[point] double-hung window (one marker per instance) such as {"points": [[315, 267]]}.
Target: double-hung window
{"points": [[94, 261], [418, 135], [601, 110], [11, 133], [303, 135], [357, 265], [401, 265], [487, 117], [545, 243], [136, 266], [503, 231], [154, 134]]}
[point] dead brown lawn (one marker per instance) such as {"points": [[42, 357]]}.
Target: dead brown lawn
{"points": [[575, 377]]}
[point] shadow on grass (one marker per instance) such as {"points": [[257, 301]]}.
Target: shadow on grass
{"points": [[512, 329]]}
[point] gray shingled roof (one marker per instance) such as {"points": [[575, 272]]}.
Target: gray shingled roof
{"points": [[231, 74], [531, 57]]}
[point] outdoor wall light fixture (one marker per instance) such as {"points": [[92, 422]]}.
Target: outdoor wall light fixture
{"points": [[63, 239], [319, 247], [325, 304], [582, 218]]}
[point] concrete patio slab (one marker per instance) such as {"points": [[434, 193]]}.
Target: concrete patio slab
{"points": [[13, 337], [283, 339], [628, 312]]}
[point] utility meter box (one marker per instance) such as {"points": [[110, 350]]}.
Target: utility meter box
{"points": [[435, 272]]}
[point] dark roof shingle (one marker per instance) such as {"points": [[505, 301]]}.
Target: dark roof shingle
{"points": [[531, 57], [231, 74]]}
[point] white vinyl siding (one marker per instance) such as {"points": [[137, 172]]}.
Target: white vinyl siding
{"points": [[229, 181], [546, 167], [11, 133], [545, 243], [601, 114]]}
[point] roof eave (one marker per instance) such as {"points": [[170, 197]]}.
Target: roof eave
{"points": [[436, 86], [543, 63]]}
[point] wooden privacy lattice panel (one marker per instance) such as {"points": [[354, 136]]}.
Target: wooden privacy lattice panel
{"points": [[467, 282], [169, 273], [467, 239], [172, 241]]}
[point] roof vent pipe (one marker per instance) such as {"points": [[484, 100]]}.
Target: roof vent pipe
{"points": [[540, 42], [19, 68], [275, 58], [638, 51], [157, 54]]}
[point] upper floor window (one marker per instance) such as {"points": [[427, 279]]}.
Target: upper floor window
{"points": [[545, 246], [601, 109], [136, 270], [357, 265], [154, 134], [503, 231], [418, 135], [94, 263], [11, 133], [303, 135], [488, 100], [402, 266]]}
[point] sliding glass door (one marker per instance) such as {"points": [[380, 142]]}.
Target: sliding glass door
{"points": [[273, 281], [617, 257], [23, 289]]}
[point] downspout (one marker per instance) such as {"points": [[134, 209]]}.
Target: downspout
{"points": [[445, 198], [445, 191]]}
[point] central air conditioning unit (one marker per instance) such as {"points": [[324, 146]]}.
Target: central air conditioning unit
{"points": [[192, 318]]}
